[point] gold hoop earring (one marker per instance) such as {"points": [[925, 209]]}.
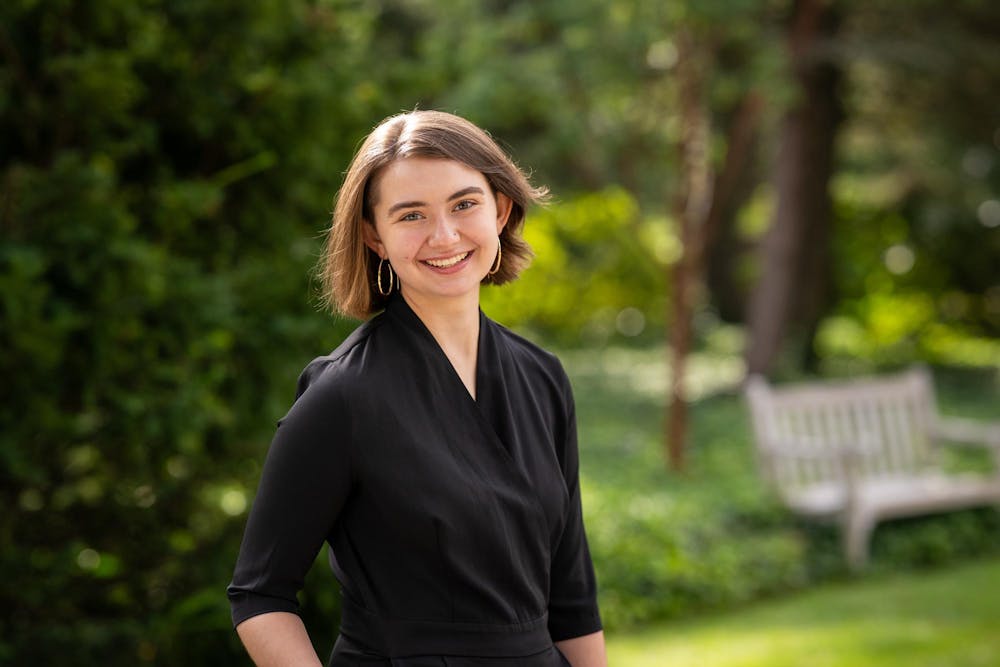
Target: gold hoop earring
{"points": [[496, 265], [392, 278]]}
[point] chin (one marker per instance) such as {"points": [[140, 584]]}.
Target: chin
{"points": [[452, 292]]}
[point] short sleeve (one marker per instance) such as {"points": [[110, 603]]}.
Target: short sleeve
{"points": [[573, 610], [304, 483]]}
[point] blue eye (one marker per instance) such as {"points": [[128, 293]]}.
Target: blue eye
{"points": [[411, 216]]}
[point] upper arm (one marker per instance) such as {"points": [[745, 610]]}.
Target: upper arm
{"points": [[304, 483], [573, 587]]}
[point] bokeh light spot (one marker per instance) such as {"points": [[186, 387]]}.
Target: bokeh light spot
{"points": [[989, 213], [144, 496], [630, 322], [661, 55], [88, 559], [977, 161], [233, 502], [177, 467], [899, 259]]}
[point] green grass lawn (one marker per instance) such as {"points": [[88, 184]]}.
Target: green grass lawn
{"points": [[917, 619], [667, 544]]}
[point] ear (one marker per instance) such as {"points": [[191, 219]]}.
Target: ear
{"points": [[504, 206], [371, 238]]}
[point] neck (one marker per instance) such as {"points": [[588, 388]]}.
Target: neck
{"points": [[453, 323]]}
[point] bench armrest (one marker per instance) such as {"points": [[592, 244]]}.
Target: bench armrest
{"points": [[967, 431]]}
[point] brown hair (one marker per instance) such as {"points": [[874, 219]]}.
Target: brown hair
{"points": [[348, 267]]}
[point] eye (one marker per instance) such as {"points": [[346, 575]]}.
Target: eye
{"points": [[411, 216], [464, 205]]}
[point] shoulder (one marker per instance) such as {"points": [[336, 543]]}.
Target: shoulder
{"points": [[538, 363], [327, 380], [328, 366]]}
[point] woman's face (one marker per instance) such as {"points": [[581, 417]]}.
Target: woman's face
{"points": [[437, 222]]}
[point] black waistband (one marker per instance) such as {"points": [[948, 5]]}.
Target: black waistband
{"points": [[395, 637]]}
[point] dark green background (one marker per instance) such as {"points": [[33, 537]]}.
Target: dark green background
{"points": [[166, 173]]}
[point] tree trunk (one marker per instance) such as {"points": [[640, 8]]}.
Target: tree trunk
{"points": [[734, 185], [700, 208], [794, 255], [691, 209]]}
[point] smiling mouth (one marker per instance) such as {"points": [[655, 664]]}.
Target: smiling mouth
{"points": [[446, 262]]}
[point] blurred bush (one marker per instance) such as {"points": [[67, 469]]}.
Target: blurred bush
{"points": [[164, 170], [598, 275]]}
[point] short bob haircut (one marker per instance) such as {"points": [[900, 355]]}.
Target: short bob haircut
{"points": [[348, 267]]}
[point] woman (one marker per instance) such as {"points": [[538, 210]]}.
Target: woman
{"points": [[434, 450]]}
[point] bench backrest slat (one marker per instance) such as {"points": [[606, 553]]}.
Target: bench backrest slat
{"points": [[886, 420]]}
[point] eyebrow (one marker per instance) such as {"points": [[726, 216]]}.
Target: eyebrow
{"points": [[472, 189]]}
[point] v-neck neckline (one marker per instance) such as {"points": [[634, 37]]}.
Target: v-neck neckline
{"points": [[483, 405], [398, 307]]}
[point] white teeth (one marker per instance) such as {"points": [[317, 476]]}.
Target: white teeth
{"points": [[445, 263]]}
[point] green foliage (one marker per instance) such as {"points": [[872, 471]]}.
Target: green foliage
{"points": [[932, 541], [595, 275], [915, 241], [902, 298], [665, 546], [166, 170], [163, 185], [668, 545]]}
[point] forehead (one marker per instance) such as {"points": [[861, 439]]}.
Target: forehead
{"points": [[423, 179]]}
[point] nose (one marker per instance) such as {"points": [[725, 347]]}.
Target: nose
{"points": [[444, 231]]}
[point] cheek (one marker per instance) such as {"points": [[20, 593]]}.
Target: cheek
{"points": [[404, 246]]}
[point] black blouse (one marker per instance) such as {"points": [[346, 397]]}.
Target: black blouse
{"points": [[454, 523]]}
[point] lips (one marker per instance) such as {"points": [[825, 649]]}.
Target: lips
{"points": [[447, 262]]}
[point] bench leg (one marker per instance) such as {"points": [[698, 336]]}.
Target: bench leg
{"points": [[857, 533]]}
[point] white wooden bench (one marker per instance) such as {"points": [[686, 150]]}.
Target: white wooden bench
{"points": [[866, 450]]}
